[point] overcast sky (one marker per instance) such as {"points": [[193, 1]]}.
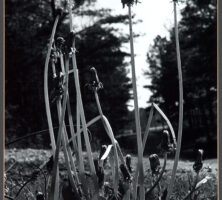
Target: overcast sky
{"points": [[157, 19]]}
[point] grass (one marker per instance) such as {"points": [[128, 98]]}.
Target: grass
{"points": [[27, 159]]}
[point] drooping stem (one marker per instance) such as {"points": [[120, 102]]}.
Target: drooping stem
{"points": [[180, 126]]}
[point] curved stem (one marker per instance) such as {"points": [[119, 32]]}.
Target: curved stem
{"points": [[48, 112], [180, 127]]}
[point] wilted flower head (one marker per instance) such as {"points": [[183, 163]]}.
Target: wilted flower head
{"points": [[95, 84], [60, 41], [198, 164], [166, 145], [154, 163], [128, 162]]}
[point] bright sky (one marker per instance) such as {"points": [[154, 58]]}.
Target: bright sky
{"points": [[157, 19]]}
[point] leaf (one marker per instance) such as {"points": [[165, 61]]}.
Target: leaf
{"points": [[200, 183]]}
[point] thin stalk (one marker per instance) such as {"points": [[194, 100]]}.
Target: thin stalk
{"points": [[80, 105], [48, 112], [137, 116], [92, 121], [144, 144], [58, 144], [66, 147], [46, 95], [180, 127]]}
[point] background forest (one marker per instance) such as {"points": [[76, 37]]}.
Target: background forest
{"points": [[28, 25]]}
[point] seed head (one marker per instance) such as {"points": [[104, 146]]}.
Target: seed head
{"points": [[154, 163]]}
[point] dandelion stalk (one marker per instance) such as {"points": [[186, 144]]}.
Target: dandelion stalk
{"points": [[80, 104], [46, 95], [48, 112], [180, 126], [58, 143], [137, 117], [144, 144]]}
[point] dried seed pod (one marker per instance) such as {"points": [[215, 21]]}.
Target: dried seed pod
{"points": [[95, 83], [166, 145], [128, 162], [154, 163], [39, 196], [198, 164], [125, 173], [60, 41]]}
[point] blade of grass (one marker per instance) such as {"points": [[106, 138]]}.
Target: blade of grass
{"points": [[180, 126], [137, 116]]}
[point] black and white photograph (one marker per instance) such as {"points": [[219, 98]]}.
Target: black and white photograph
{"points": [[111, 100]]}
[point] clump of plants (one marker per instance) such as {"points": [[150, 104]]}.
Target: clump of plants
{"points": [[109, 175]]}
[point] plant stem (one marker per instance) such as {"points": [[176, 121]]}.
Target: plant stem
{"points": [[137, 116], [180, 127], [48, 112], [144, 143], [58, 143]]}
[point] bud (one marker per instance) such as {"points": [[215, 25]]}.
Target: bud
{"points": [[128, 162], [154, 163], [60, 43], [198, 164]]}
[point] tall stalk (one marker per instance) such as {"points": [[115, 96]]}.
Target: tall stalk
{"points": [[180, 126], [137, 116]]}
